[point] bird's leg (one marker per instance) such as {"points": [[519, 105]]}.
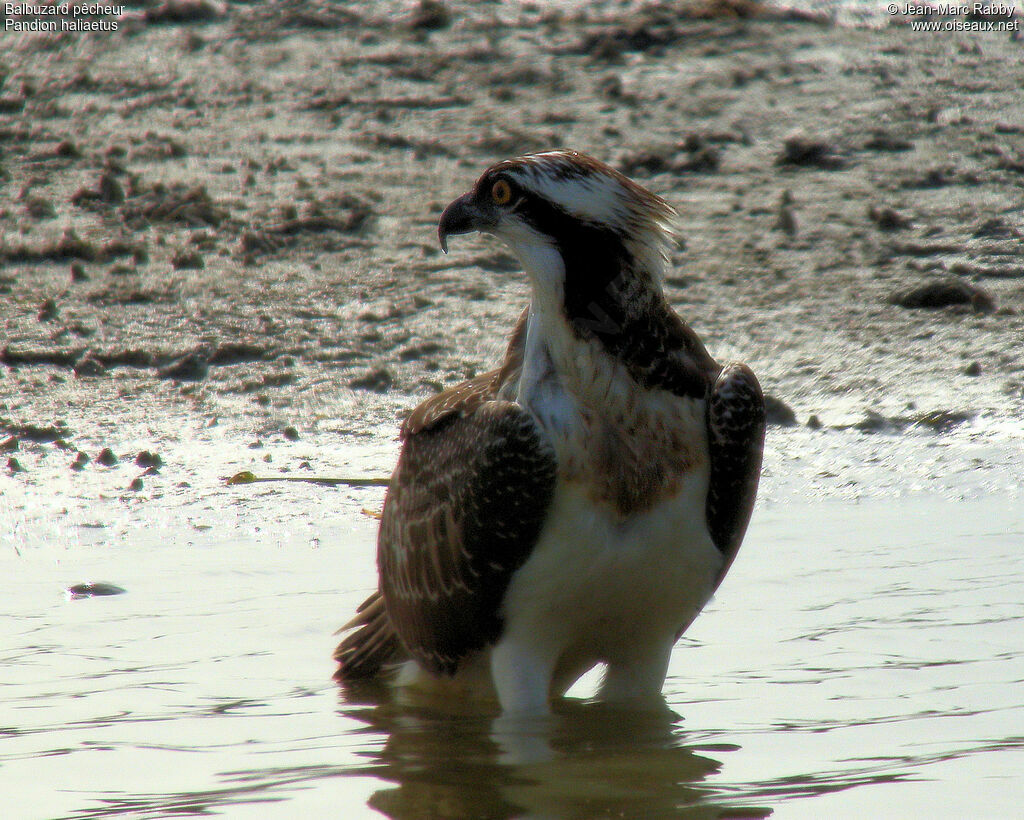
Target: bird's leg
{"points": [[639, 677], [522, 678]]}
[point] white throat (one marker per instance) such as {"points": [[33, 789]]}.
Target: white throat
{"points": [[541, 260]]}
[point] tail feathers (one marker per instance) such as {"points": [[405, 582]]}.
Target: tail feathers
{"points": [[372, 647]]}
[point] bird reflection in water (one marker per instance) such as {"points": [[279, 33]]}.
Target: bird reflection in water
{"points": [[451, 760]]}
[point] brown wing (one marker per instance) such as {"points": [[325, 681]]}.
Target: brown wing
{"points": [[736, 428], [465, 507], [372, 647], [454, 478]]}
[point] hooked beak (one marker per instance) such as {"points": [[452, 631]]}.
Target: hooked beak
{"points": [[462, 216]]}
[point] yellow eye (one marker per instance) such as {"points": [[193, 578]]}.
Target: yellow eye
{"points": [[501, 192]]}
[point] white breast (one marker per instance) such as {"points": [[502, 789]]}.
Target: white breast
{"points": [[597, 586], [610, 580]]}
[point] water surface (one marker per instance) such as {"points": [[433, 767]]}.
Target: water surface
{"points": [[861, 659]]}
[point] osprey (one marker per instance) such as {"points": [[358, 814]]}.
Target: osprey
{"points": [[580, 504]]}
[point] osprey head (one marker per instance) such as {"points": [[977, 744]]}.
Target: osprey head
{"points": [[567, 203]]}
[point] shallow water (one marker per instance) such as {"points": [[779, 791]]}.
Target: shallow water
{"points": [[861, 659]]}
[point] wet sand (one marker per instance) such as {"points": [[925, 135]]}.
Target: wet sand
{"points": [[243, 234]]}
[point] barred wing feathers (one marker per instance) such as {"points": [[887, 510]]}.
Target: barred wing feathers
{"points": [[736, 428], [464, 510]]}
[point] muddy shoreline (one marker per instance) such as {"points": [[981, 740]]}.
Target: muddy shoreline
{"points": [[230, 248]]}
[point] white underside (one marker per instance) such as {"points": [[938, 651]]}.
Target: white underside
{"points": [[595, 591]]}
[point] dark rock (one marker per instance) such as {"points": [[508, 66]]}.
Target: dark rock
{"points": [[120, 295], [110, 190], [939, 421], [652, 162], [785, 219], [778, 413], [47, 311], [66, 148], [991, 271], [267, 380], [240, 353], [81, 330], [942, 420], [136, 485], [146, 459], [874, 423], [81, 459], [605, 48], [430, 15], [252, 243], [379, 380], [914, 248], [188, 260], [191, 42], [106, 457], [10, 104], [39, 208], [89, 366], [290, 433], [1011, 163], [69, 246], [78, 273], [883, 141], [932, 178], [14, 466], [185, 11], [93, 590], [995, 228], [706, 158], [610, 86], [59, 357], [37, 433], [177, 202], [813, 422], [887, 219], [699, 157], [418, 351], [192, 367], [10, 444], [786, 222], [973, 369], [801, 150], [943, 293]]}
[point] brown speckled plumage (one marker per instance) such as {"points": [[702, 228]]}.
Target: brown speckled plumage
{"points": [[463, 509], [736, 427], [621, 400]]}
